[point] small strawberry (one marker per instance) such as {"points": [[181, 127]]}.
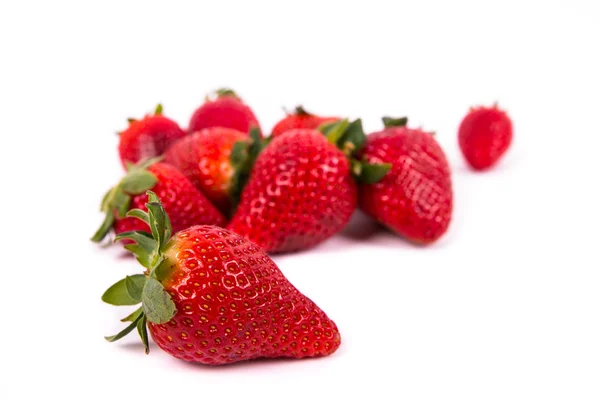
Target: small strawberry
{"points": [[213, 161], [226, 110], [212, 297], [186, 205], [301, 190], [414, 199], [148, 137], [300, 119], [484, 136]]}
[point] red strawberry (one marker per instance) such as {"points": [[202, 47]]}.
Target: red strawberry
{"points": [[148, 137], [414, 199], [212, 297], [300, 119], [186, 205], [227, 110], [205, 157], [484, 136], [301, 189]]}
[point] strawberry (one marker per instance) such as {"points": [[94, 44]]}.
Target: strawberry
{"points": [[210, 159], [484, 136], [226, 110], [300, 119], [212, 297], [301, 190], [414, 199], [182, 200], [148, 137]]}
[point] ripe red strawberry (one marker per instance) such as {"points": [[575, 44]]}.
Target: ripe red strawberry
{"points": [[484, 136], [301, 190], [210, 296], [414, 199], [227, 110], [186, 205], [300, 119], [205, 158], [148, 137]]}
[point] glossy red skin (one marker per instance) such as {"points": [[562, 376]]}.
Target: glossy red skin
{"points": [[300, 121], [484, 135], [184, 204], [414, 199], [233, 304], [204, 157], [299, 194], [226, 112], [148, 137]]}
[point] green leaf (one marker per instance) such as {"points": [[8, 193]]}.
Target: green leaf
{"points": [[373, 173], [326, 127], [106, 226], [157, 222], [255, 136], [145, 246], [119, 295], [138, 181], [133, 316], [389, 122], [142, 330], [157, 303], [158, 110], [224, 92], [135, 286], [239, 152], [337, 131], [139, 214], [146, 162], [353, 138], [125, 331], [105, 205], [120, 202], [299, 110]]}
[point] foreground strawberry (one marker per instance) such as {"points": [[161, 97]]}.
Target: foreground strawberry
{"points": [[300, 119], [210, 296], [484, 135], [148, 137], [186, 205], [210, 159], [226, 110], [414, 199], [301, 190]]}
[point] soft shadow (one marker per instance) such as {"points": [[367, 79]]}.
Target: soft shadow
{"points": [[361, 227]]}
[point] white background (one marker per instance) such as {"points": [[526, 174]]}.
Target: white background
{"points": [[505, 306]]}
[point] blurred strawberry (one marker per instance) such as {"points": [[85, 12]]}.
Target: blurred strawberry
{"points": [[148, 137], [300, 119], [226, 110]]}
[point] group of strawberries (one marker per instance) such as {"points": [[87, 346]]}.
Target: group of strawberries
{"points": [[201, 208]]}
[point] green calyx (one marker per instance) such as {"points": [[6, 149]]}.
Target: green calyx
{"points": [[350, 138], [299, 110], [156, 304], [390, 122], [157, 111], [345, 135], [117, 200], [226, 92], [367, 173], [243, 156]]}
